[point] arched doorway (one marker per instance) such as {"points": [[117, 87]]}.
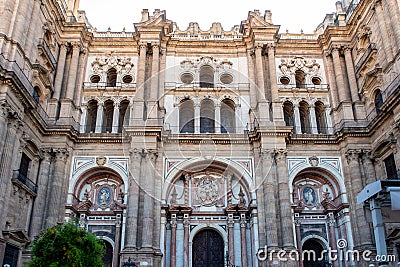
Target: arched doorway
{"points": [[108, 255], [208, 249], [313, 259]]}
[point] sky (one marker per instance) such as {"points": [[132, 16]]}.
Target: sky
{"points": [[294, 15]]}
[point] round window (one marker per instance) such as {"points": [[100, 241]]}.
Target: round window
{"points": [[226, 78], [285, 80], [316, 80], [187, 78], [95, 79], [127, 79]]}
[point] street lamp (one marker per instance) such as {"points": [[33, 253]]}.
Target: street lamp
{"points": [[129, 263]]}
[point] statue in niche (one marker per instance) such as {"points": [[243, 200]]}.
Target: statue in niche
{"points": [[309, 196], [104, 196]]}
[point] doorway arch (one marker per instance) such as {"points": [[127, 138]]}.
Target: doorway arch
{"points": [[108, 255], [208, 249], [313, 259]]}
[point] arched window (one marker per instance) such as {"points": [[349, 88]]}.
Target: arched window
{"points": [[320, 116], [300, 79], [112, 77], [227, 116], [123, 115], [207, 119], [36, 95], [108, 116], [91, 117], [186, 116], [288, 113], [304, 117], [206, 77], [378, 100]]}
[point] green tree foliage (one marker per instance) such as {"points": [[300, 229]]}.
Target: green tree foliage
{"points": [[66, 245]]}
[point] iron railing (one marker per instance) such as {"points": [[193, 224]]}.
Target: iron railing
{"points": [[305, 86], [104, 85], [17, 175]]}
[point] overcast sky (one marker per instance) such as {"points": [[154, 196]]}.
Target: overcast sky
{"points": [[293, 15]]}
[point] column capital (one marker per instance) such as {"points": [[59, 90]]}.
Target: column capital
{"points": [[46, 153], [173, 223], [297, 222], [258, 46], [151, 154], [336, 48], [61, 154], [231, 223], [142, 47], [64, 45], [186, 223], [137, 153], [76, 45], [266, 153], [347, 49], [280, 154], [353, 155], [271, 47]]}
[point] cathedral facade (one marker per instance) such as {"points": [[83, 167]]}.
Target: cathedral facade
{"points": [[190, 147]]}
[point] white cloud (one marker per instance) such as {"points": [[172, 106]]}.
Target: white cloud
{"points": [[290, 14]]}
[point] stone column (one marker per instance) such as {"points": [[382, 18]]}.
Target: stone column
{"points": [[343, 93], [76, 47], [368, 160], [60, 71], [328, 120], [161, 79], [197, 116], [313, 120], [133, 200], [253, 89], [276, 104], [10, 150], [186, 233], [284, 199], [231, 243], [32, 26], [155, 68], [39, 208], [332, 239], [21, 19], [115, 118], [140, 79], [99, 117], [354, 172], [243, 241], [173, 241], [394, 15], [239, 127], [148, 202], [351, 75], [4, 113], [332, 81], [56, 199], [217, 107], [263, 107], [298, 241], [80, 76], [117, 243], [383, 30], [83, 125], [268, 175], [297, 122]]}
